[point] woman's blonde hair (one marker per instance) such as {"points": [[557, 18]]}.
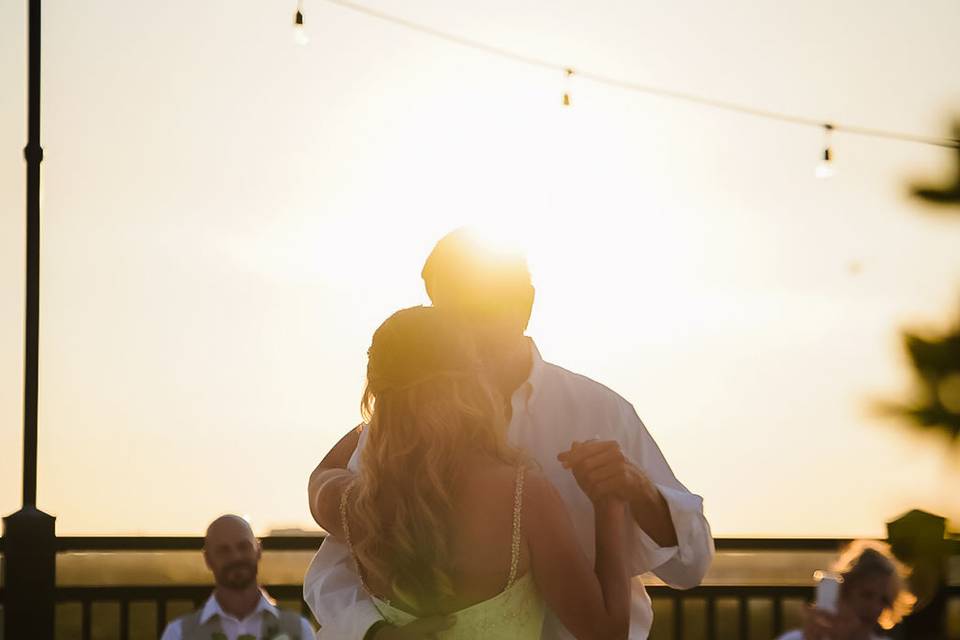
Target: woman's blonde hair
{"points": [[865, 558], [427, 405]]}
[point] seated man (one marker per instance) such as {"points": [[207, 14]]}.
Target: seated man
{"points": [[238, 607]]}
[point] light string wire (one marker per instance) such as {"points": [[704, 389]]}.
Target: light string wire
{"points": [[636, 87]]}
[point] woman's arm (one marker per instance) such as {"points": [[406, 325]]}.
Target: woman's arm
{"points": [[592, 603], [328, 481]]}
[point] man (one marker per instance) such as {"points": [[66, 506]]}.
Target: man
{"points": [[563, 420], [238, 607]]}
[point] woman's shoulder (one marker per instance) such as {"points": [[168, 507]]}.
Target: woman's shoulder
{"points": [[491, 478], [499, 482], [494, 469], [536, 482], [541, 500]]}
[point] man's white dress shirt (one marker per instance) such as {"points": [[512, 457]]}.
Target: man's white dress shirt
{"points": [[233, 627], [551, 409]]}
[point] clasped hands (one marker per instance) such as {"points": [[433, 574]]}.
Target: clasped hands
{"points": [[603, 471]]}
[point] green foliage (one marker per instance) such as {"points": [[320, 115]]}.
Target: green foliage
{"points": [[936, 359], [936, 363]]}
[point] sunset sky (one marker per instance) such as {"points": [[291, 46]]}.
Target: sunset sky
{"points": [[228, 216]]}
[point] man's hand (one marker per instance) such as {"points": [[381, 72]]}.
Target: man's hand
{"points": [[421, 629], [602, 471]]}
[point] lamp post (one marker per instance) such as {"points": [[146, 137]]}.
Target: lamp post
{"points": [[29, 534]]}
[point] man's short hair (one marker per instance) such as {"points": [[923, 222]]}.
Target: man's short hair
{"points": [[470, 275]]}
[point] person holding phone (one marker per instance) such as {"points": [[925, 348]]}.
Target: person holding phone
{"points": [[871, 597]]}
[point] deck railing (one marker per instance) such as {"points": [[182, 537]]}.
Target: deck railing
{"points": [[713, 611]]}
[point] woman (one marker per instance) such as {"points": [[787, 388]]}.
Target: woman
{"points": [[446, 519], [872, 597]]}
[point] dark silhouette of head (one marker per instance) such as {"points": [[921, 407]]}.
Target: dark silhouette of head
{"points": [[231, 552], [485, 286]]}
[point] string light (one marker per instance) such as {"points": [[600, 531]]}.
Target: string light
{"points": [[299, 35], [825, 168], [567, 75], [950, 143]]}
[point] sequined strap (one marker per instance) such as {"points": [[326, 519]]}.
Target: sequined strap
{"points": [[515, 539], [345, 524]]}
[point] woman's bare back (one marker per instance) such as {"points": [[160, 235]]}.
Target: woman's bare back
{"points": [[481, 533]]}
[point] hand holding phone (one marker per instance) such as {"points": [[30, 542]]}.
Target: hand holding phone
{"points": [[828, 590]]}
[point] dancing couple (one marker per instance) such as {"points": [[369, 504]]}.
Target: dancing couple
{"points": [[489, 493]]}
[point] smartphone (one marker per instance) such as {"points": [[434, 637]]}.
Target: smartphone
{"points": [[828, 590]]}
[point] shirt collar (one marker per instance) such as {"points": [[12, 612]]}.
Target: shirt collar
{"points": [[528, 389], [537, 365], [212, 608]]}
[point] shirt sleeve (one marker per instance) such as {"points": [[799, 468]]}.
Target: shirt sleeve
{"points": [[173, 631], [682, 566], [306, 629], [332, 588], [332, 591]]}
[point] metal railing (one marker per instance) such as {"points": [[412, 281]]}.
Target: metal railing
{"points": [[712, 611]]}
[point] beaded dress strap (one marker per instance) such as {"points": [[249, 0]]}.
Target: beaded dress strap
{"points": [[515, 539], [345, 524]]}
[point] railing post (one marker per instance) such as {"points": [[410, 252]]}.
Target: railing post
{"points": [[918, 539], [711, 621], [29, 534], [678, 631], [743, 611], [30, 555]]}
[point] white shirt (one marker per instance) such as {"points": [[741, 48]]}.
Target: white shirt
{"points": [[233, 627], [797, 634], [551, 409]]}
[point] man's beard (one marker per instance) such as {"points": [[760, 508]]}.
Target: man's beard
{"points": [[238, 575]]}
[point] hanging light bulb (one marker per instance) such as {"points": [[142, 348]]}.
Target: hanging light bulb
{"points": [[299, 36], [567, 75], [825, 168]]}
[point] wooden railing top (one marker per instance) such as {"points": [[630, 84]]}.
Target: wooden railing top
{"points": [[307, 543]]}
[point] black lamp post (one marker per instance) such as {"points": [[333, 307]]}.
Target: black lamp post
{"points": [[29, 536]]}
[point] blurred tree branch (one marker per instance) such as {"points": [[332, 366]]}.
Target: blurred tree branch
{"points": [[936, 359], [949, 194]]}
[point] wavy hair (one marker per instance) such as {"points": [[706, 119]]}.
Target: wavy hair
{"points": [[427, 405], [864, 558]]}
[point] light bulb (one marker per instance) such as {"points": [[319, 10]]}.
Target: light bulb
{"points": [[825, 168], [299, 35], [567, 74]]}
